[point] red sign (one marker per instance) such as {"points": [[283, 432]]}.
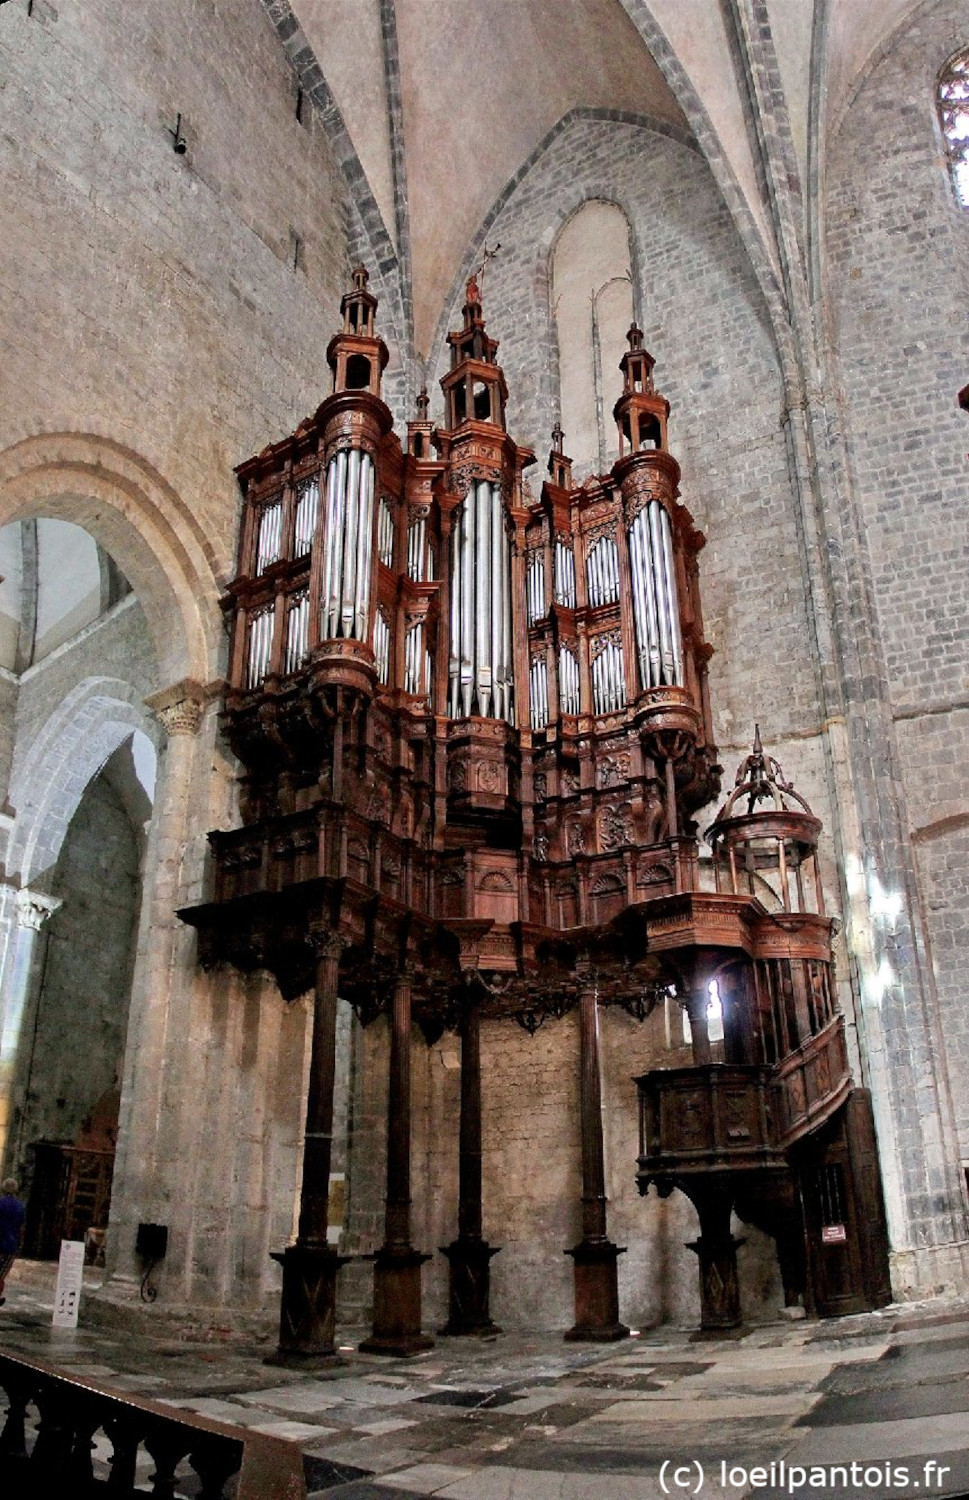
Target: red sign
{"points": [[833, 1234]]}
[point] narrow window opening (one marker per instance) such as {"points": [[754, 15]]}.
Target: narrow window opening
{"points": [[358, 372], [296, 250], [482, 403], [952, 101], [460, 407], [299, 105]]}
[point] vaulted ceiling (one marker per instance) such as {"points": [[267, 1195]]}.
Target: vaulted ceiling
{"points": [[444, 100]]}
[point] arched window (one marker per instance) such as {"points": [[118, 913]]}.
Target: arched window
{"points": [[593, 305], [953, 103]]}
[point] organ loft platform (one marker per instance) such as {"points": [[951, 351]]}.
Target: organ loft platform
{"points": [[474, 724]]}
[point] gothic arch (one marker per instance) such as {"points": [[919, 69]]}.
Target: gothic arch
{"points": [[136, 516], [86, 728]]}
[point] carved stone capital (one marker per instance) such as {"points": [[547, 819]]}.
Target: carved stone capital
{"points": [[34, 908], [179, 708]]}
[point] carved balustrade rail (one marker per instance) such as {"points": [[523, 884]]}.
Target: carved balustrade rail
{"points": [[71, 1412], [740, 1115]]}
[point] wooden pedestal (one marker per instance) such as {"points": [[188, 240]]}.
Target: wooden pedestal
{"points": [[307, 1314], [469, 1290], [596, 1293], [397, 1304]]}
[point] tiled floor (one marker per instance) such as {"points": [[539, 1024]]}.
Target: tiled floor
{"points": [[532, 1418]]}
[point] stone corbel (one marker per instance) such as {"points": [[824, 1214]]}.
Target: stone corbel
{"points": [[179, 708], [34, 908]]}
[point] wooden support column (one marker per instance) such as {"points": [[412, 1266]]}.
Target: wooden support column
{"points": [[397, 1271], [469, 1255], [595, 1256], [716, 1251], [308, 1310]]}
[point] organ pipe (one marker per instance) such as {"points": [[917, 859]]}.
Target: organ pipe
{"points": [[381, 647], [564, 574], [297, 632], [347, 554], [535, 587], [602, 572], [269, 544], [480, 667], [655, 602], [307, 507], [385, 533], [608, 680], [568, 681], [538, 692], [260, 645], [413, 658]]}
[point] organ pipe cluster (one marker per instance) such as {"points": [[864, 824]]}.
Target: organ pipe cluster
{"points": [[407, 554]]}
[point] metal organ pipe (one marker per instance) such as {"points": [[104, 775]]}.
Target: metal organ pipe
{"points": [[655, 601], [297, 632], [468, 517], [608, 680], [361, 602], [535, 587], [307, 506], [384, 533], [564, 574], [662, 599], [492, 599], [348, 548], [538, 692], [568, 681], [480, 675], [413, 658], [349, 543], [381, 647], [669, 573], [416, 534], [260, 645], [268, 546], [484, 658]]}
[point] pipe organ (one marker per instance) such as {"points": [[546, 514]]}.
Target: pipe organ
{"points": [[474, 728]]}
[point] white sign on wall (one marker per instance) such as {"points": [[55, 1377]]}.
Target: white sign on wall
{"points": [[70, 1276]]}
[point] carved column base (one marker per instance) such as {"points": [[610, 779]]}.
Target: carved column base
{"points": [[397, 1304], [470, 1288], [307, 1314], [596, 1293], [719, 1289]]}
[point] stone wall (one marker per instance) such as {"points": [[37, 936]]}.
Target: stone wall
{"points": [[897, 246], [151, 297], [73, 1036]]}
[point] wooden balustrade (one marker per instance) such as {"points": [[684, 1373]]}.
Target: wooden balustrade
{"points": [[740, 1115], [72, 1411]]}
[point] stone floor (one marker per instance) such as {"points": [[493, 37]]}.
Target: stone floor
{"points": [[527, 1417]]}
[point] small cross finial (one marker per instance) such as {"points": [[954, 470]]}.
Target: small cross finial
{"points": [[558, 438]]}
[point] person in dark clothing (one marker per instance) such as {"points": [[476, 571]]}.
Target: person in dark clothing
{"points": [[12, 1214]]}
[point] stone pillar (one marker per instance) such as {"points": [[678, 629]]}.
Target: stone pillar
{"points": [[595, 1256], [307, 1317], [469, 1255], [397, 1272], [161, 1079], [27, 913]]}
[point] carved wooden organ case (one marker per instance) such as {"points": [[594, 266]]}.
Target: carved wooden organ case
{"points": [[475, 728]]}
